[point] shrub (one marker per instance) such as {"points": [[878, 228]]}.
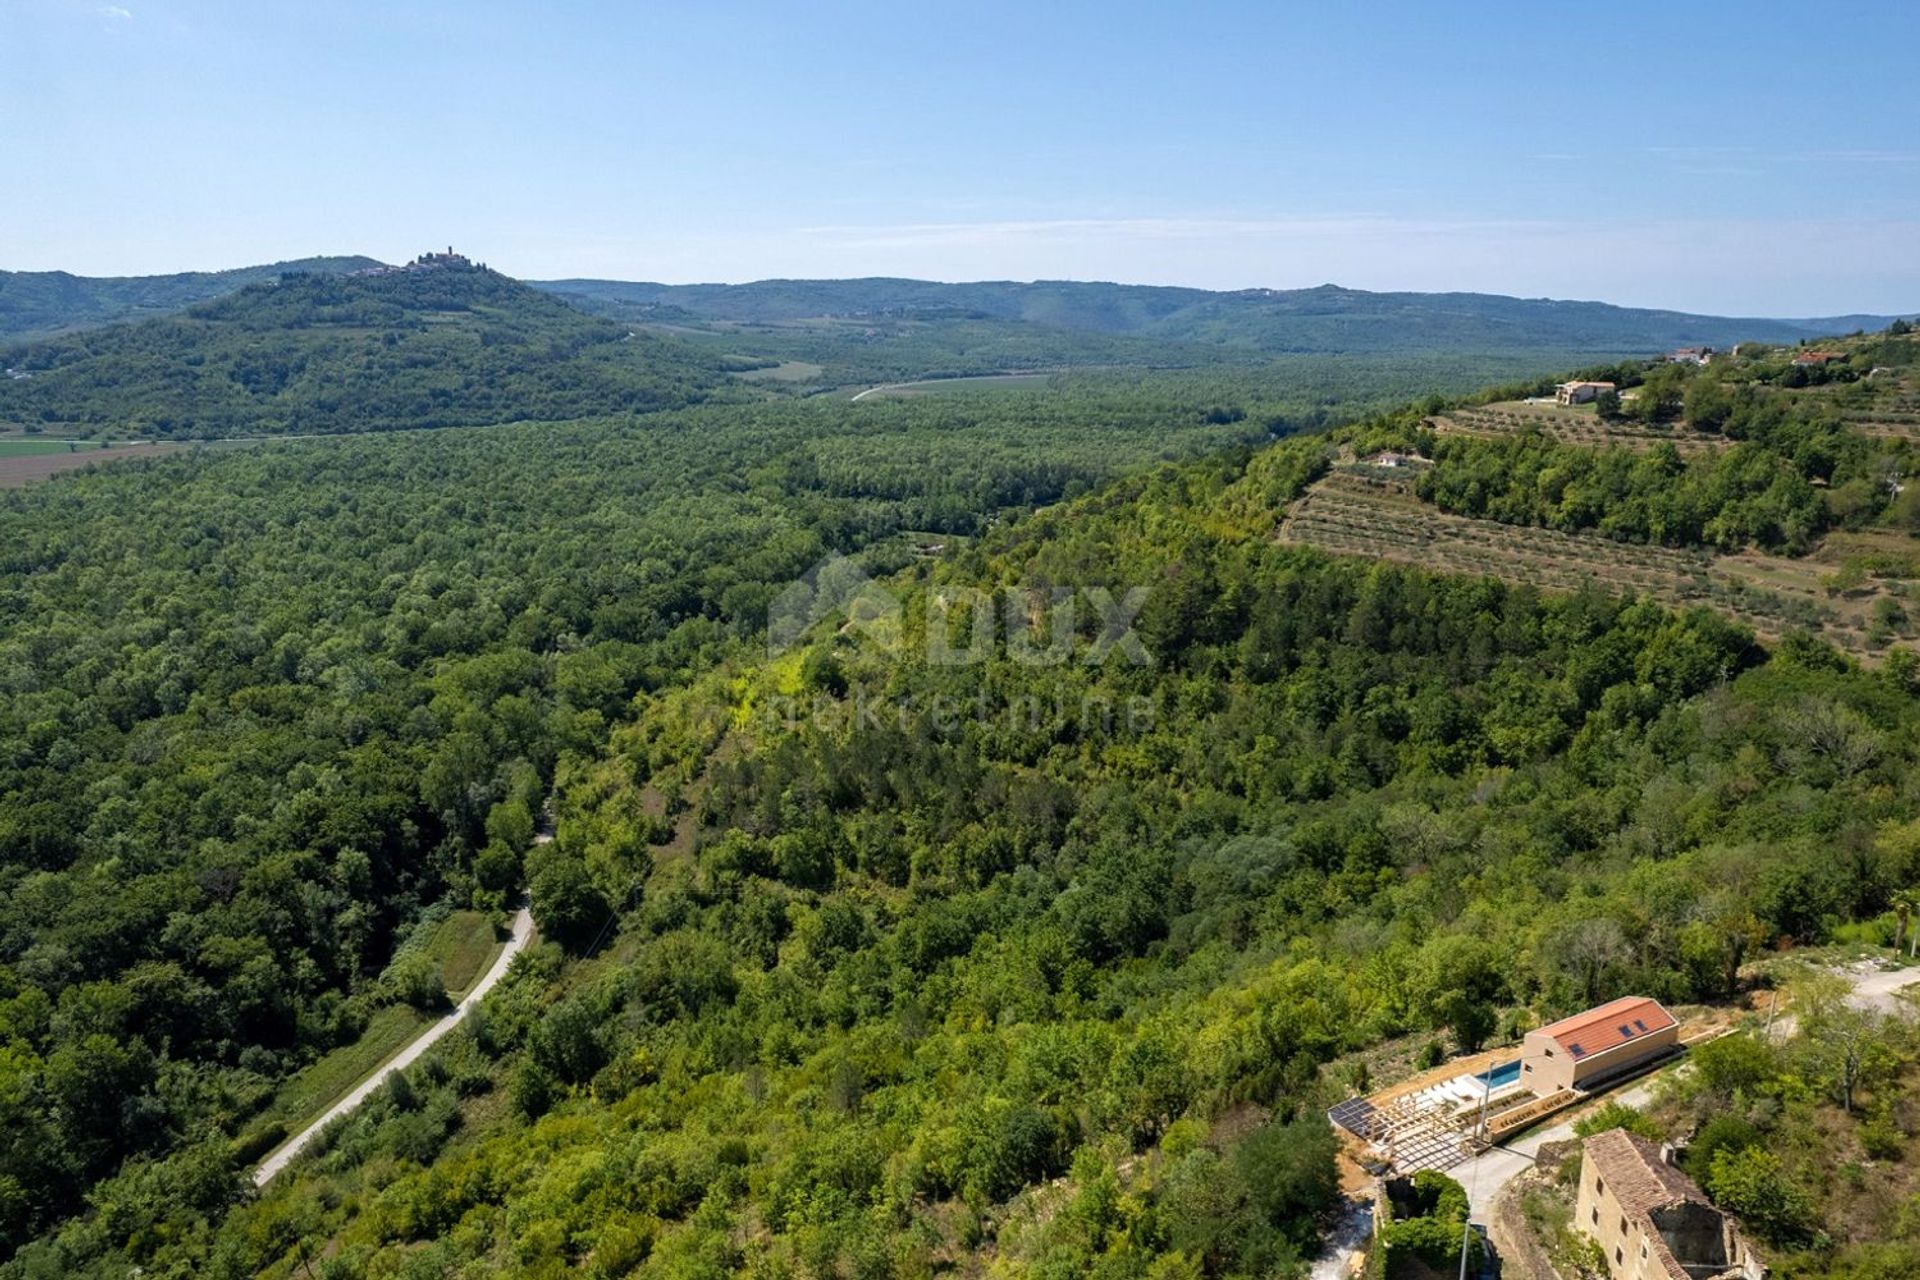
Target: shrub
{"points": [[1752, 1184], [1434, 1227], [414, 979], [1882, 1140], [1722, 1133], [566, 903], [1617, 1115], [251, 1146], [1733, 1065]]}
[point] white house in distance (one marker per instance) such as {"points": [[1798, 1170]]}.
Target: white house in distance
{"points": [[1579, 392], [1691, 355], [1592, 1047]]}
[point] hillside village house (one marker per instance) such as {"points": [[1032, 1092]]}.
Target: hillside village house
{"points": [[1816, 358], [1601, 1044], [1579, 392], [1651, 1220], [1691, 355]]}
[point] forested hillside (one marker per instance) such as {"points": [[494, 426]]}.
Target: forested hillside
{"points": [[858, 958], [312, 354], [266, 706], [1328, 318], [42, 303], [938, 763], [1789, 460], [36, 304], [313, 348]]}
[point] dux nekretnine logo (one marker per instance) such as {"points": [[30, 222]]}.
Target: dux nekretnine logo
{"points": [[835, 584]]}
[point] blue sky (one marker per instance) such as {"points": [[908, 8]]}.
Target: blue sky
{"points": [[1755, 158]]}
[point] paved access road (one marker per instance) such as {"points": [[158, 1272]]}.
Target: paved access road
{"points": [[521, 933]]}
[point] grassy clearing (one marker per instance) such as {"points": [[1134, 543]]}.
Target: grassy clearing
{"points": [[24, 461], [313, 1090], [464, 945]]}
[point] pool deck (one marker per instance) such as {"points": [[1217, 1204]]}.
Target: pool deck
{"points": [[1471, 1064]]}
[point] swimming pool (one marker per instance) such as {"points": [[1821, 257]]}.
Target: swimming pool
{"points": [[1501, 1076]]}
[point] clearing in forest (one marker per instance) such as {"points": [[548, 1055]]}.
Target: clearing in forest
{"points": [[1575, 425], [23, 461], [1355, 511]]}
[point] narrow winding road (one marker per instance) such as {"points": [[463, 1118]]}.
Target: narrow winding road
{"points": [[521, 932]]}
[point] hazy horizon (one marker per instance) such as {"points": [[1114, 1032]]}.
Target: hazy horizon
{"points": [[396, 259]]}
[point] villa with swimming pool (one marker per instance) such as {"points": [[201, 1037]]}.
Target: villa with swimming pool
{"points": [[1590, 1048], [1442, 1123]]}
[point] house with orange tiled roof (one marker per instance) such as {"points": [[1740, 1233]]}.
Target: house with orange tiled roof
{"points": [[1591, 1048], [1651, 1220]]}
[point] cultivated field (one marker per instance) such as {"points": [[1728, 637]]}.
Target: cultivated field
{"points": [[25, 460], [1895, 413], [1352, 512], [1577, 425]]}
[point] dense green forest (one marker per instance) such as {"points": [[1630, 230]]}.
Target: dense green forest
{"points": [[965, 934], [42, 303], [321, 346], [313, 354], [811, 356], [265, 705], [856, 961]]}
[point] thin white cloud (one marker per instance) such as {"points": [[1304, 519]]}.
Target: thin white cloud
{"points": [[115, 12], [1692, 150], [1867, 155], [1712, 159]]}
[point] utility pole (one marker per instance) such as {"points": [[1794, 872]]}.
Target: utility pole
{"points": [[1480, 1131]]}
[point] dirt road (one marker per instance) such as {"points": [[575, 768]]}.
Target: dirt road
{"points": [[521, 933]]}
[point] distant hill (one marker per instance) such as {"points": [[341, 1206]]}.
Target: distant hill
{"points": [[42, 303], [315, 353], [1324, 319], [342, 344], [36, 304]]}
